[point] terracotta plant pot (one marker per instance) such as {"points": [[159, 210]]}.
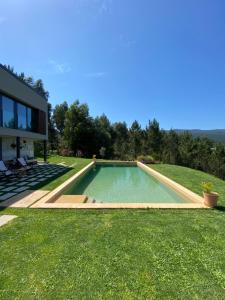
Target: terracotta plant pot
{"points": [[210, 200]]}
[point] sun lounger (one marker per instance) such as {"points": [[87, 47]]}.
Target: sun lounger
{"points": [[23, 163], [30, 161], [4, 170]]}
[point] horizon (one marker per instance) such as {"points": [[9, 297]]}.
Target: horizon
{"points": [[130, 61]]}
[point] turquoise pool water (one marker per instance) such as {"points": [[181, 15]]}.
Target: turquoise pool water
{"points": [[122, 184]]}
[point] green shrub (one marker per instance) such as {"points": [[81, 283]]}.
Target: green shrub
{"points": [[148, 159]]}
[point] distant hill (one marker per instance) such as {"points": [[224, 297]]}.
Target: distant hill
{"points": [[217, 135]]}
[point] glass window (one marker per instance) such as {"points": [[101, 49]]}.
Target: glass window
{"points": [[8, 119], [29, 119], [22, 116]]}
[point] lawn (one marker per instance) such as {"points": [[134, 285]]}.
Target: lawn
{"points": [[116, 254], [192, 179], [74, 165]]}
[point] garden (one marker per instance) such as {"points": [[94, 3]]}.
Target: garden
{"points": [[116, 254]]}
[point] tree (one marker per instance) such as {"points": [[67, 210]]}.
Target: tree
{"points": [[202, 151], [59, 115], [52, 135], [170, 152], [38, 86], [187, 148], [103, 135], [135, 139], [78, 131], [120, 140], [10, 68], [217, 161], [154, 139]]}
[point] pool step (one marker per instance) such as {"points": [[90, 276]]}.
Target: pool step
{"points": [[71, 199]]}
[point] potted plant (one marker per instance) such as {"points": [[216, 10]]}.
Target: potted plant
{"points": [[210, 197]]}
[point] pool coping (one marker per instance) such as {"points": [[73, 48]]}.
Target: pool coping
{"points": [[180, 189], [48, 200]]}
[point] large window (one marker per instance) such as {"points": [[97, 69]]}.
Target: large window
{"points": [[29, 119], [18, 116], [22, 116], [8, 119]]}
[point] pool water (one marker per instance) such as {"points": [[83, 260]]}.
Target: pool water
{"points": [[122, 184]]}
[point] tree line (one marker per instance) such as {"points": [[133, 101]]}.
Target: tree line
{"points": [[72, 131], [75, 132]]}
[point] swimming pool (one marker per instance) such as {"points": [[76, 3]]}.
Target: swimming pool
{"points": [[113, 183]]}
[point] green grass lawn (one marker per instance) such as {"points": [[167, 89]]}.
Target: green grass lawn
{"points": [[74, 164], [192, 179], [116, 254]]}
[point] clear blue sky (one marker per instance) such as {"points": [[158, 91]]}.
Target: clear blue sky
{"points": [[128, 59]]}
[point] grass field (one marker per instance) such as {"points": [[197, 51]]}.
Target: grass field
{"points": [[116, 254]]}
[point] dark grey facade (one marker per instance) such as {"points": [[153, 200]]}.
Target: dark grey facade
{"points": [[23, 117]]}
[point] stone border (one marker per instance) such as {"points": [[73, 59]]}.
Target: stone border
{"points": [[50, 197], [179, 189], [116, 162], [119, 205], [4, 219], [48, 200], [24, 199]]}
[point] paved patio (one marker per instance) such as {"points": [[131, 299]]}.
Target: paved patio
{"points": [[30, 181]]}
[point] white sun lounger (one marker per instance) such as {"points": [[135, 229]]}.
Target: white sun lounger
{"points": [[23, 163], [4, 169]]}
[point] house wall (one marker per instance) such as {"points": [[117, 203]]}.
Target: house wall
{"points": [[13, 88], [21, 133], [27, 148], [9, 153]]}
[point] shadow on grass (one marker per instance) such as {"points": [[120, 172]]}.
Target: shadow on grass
{"points": [[49, 180], [220, 208]]}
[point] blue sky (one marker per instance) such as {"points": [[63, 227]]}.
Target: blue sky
{"points": [[128, 59]]}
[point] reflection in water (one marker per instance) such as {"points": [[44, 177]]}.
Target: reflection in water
{"points": [[130, 184]]}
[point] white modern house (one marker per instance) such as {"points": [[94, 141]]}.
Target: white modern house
{"points": [[23, 117]]}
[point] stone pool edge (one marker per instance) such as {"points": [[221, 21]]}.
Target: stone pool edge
{"points": [[180, 189], [48, 200]]}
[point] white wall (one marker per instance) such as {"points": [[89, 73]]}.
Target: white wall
{"points": [[27, 148], [9, 153]]}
